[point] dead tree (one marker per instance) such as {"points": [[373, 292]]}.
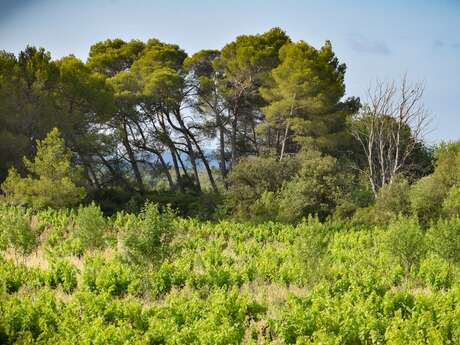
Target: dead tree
{"points": [[389, 128]]}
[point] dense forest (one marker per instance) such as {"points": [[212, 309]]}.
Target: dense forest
{"points": [[234, 196]]}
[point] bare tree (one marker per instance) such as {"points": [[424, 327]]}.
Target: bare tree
{"points": [[389, 128]]}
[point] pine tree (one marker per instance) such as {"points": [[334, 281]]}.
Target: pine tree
{"points": [[51, 181]]}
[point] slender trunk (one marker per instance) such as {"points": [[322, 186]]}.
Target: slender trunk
{"points": [[254, 136], [93, 176], [286, 132], [184, 168], [191, 152], [233, 140], [283, 145], [194, 165], [132, 158], [202, 156], [206, 165], [277, 144], [163, 163], [172, 150], [222, 163], [157, 153], [166, 172]]}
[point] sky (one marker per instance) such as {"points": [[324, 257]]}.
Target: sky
{"points": [[376, 39]]}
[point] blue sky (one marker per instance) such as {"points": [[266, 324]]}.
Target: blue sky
{"points": [[376, 39]]}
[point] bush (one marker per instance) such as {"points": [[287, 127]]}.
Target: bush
{"points": [[90, 226], [392, 201], [406, 242], [313, 245], [26, 319], [167, 277], [148, 238], [16, 231], [451, 204], [429, 194], [220, 319], [426, 198], [13, 277], [444, 239], [314, 191], [114, 277], [254, 176], [64, 274], [436, 273], [186, 204]]}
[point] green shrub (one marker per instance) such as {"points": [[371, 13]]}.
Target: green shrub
{"points": [[28, 319], [167, 277], [429, 194], [436, 273], [220, 319], [90, 226], [14, 276], [148, 238], [254, 176], [113, 277], [406, 241], [426, 198], [317, 282], [315, 190], [444, 239], [16, 231], [391, 201], [312, 247], [63, 273], [399, 301], [451, 204]]}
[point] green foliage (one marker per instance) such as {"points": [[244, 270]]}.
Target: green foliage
{"points": [[430, 193], [155, 278], [444, 239], [314, 190], [113, 277], [287, 190], [436, 273], [90, 226], [16, 231], [405, 240], [63, 273], [426, 198], [305, 92], [112, 56], [254, 177], [451, 204], [15, 276], [220, 319], [52, 179], [392, 201], [232, 283], [312, 247], [148, 237]]}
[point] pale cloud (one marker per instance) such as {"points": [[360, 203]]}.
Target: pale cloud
{"points": [[362, 44]]}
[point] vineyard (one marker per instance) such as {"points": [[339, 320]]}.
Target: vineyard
{"points": [[77, 277]]}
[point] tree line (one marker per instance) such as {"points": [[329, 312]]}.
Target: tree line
{"points": [[142, 116]]}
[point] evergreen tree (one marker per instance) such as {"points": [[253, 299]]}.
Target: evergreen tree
{"points": [[51, 181]]}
